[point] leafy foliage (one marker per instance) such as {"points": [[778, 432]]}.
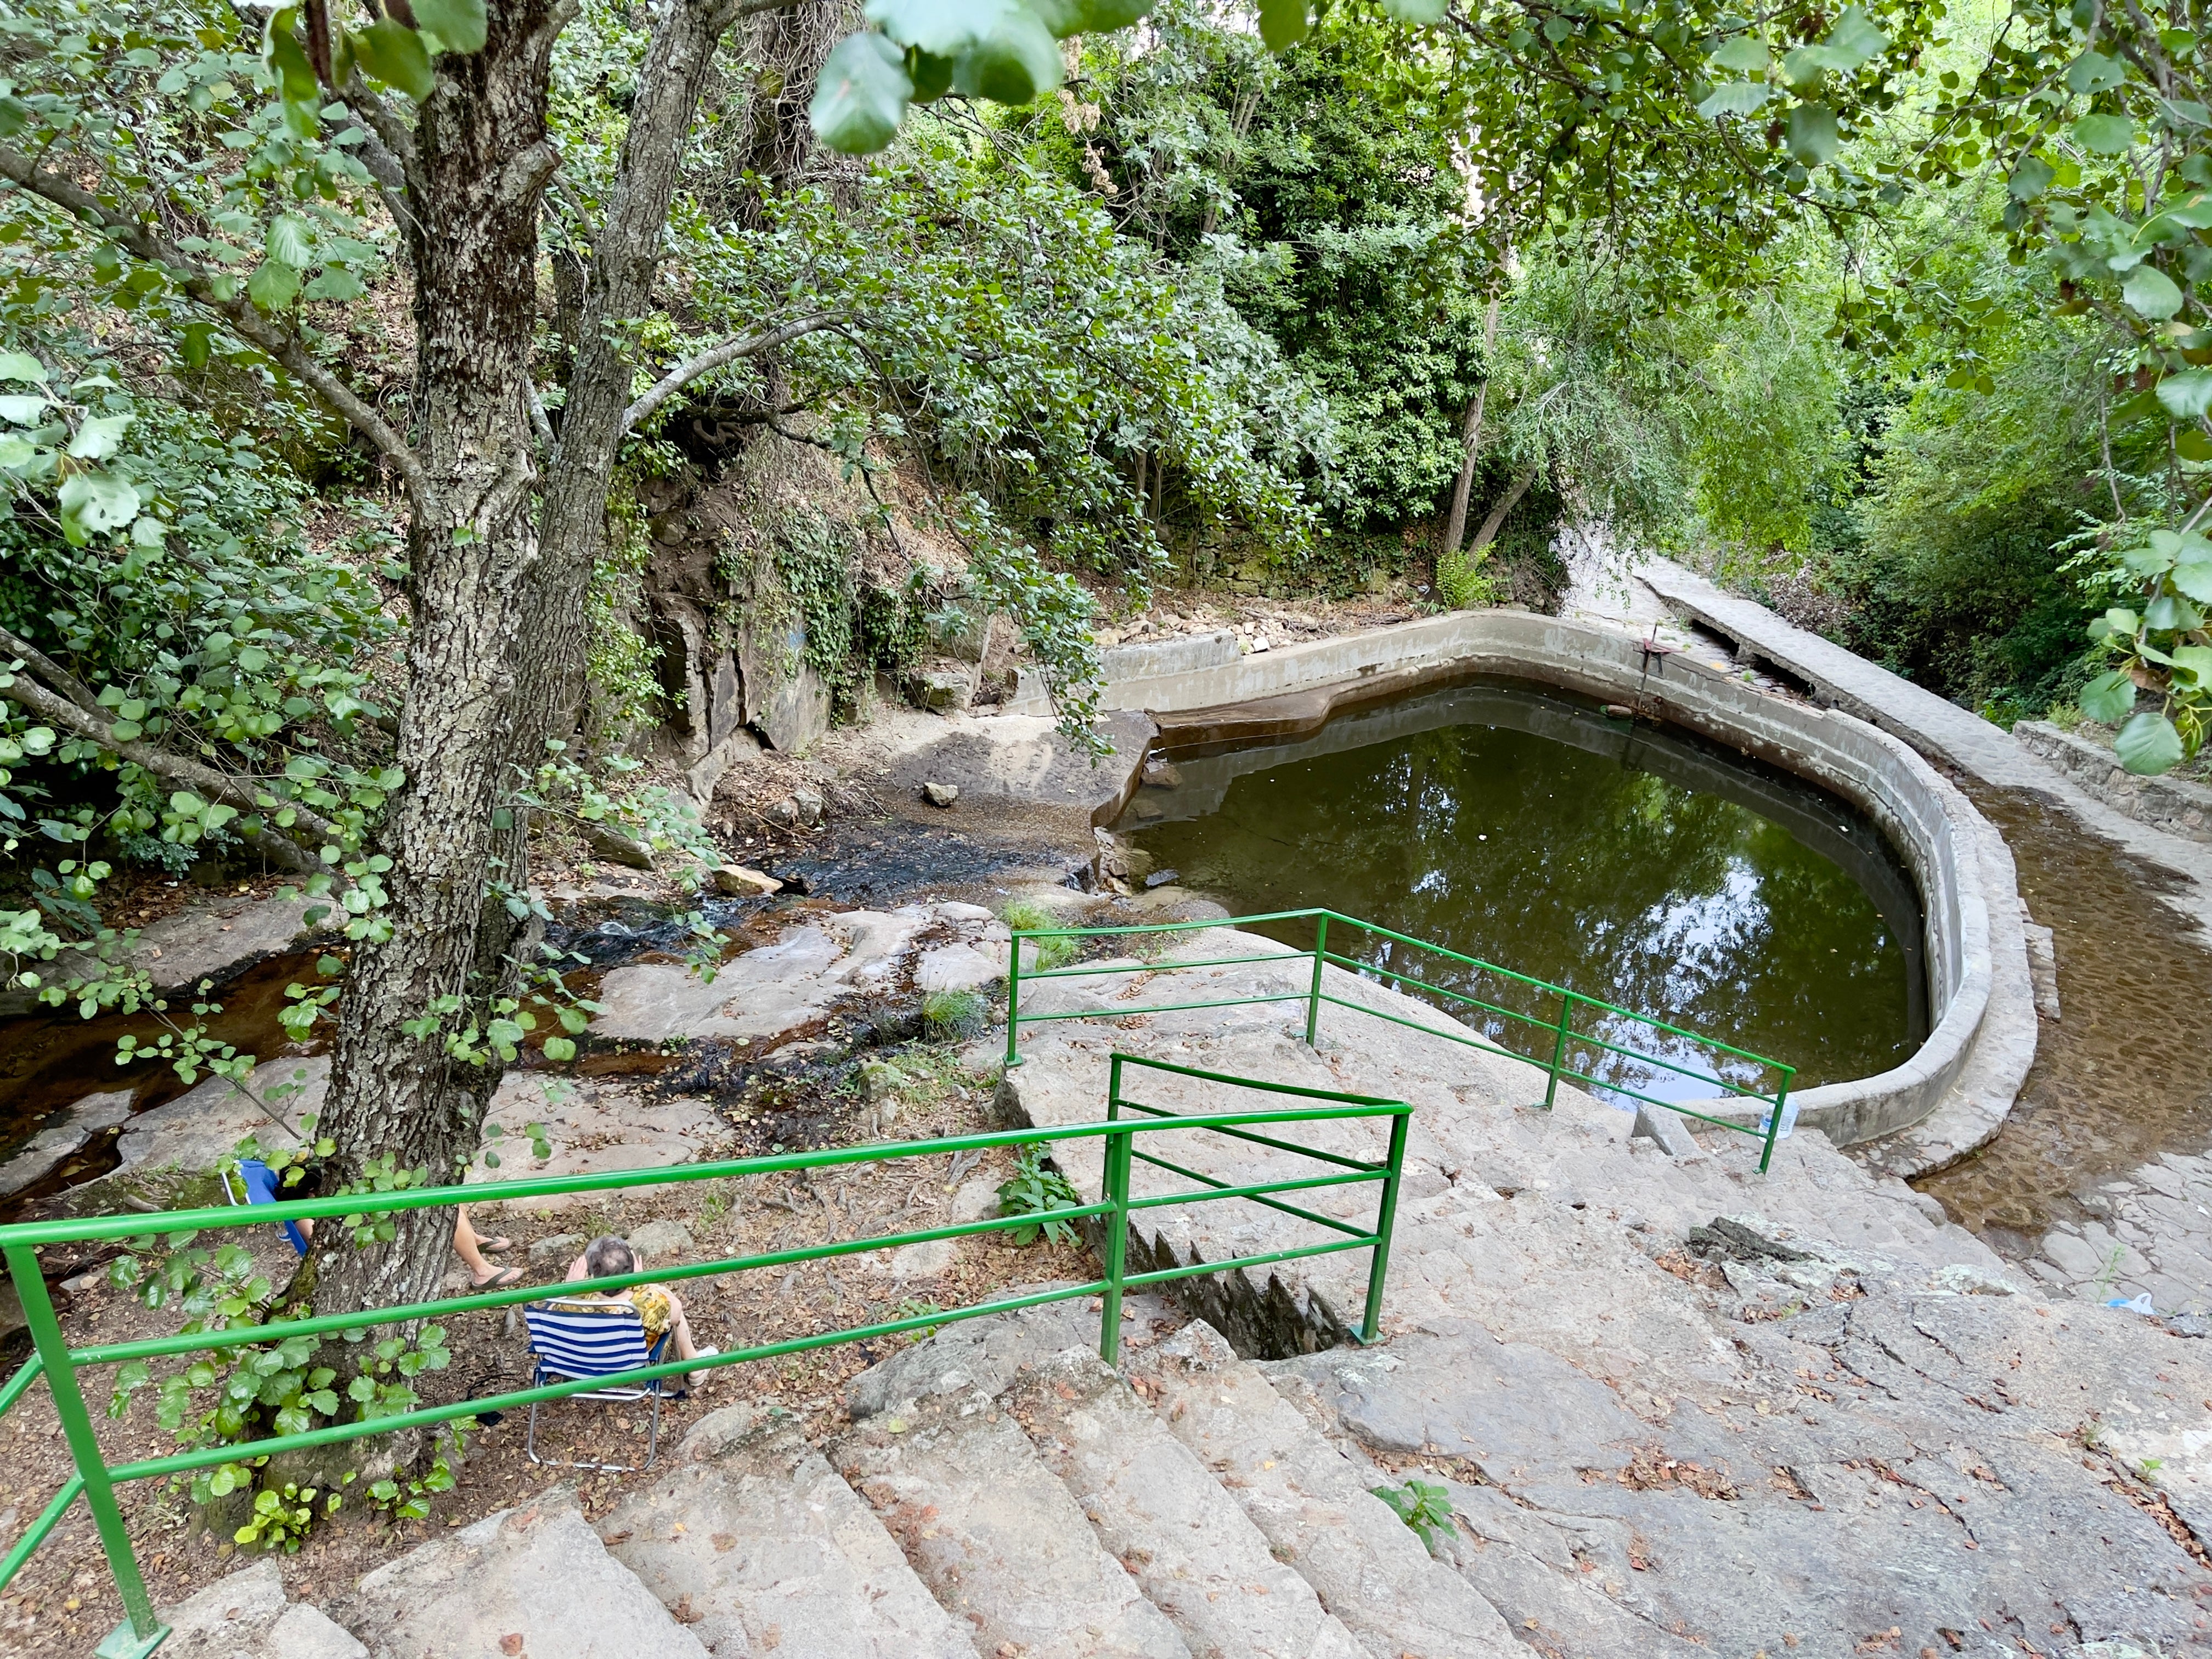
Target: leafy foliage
{"points": [[1034, 1189], [1422, 1505]]}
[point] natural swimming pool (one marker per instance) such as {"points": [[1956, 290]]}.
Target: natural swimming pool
{"points": [[1631, 862]]}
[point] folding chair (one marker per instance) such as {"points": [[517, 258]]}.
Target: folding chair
{"points": [[571, 1339], [253, 1182]]}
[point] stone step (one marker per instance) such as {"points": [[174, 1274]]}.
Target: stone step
{"points": [[996, 1537], [1316, 1507], [534, 1579], [246, 1616], [1181, 1535], [753, 1542]]}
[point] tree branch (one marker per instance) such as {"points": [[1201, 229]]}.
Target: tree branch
{"points": [[271, 336], [730, 351], [202, 779], [51, 672]]}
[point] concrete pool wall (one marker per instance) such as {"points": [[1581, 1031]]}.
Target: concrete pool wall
{"points": [[1205, 692]]}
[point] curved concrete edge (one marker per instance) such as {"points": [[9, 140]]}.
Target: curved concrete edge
{"points": [[1942, 836]]}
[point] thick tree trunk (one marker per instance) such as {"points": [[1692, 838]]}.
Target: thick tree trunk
{"points": [[1470, 439], [481, 158]]}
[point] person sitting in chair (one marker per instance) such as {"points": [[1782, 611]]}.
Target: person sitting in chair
{"points": [[657, 1306]]}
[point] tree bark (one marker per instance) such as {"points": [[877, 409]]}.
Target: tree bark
{"points": [[1512, 499], [481, 158], [1470, 439]]}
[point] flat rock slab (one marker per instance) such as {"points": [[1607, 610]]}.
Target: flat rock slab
{"points": [[595, 1127], [1160, 1511], [532, 1580], [201, 1127], [246, 1616], [61, 1136], [1316, 1507], [756, 1541], [1000, 1542], [216, 942]]}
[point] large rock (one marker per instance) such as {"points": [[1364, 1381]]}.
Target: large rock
{"points": [[202, 1126], [215, 941], [595, 1126], [530, 1580], [246, 1616], [61, 1136]]}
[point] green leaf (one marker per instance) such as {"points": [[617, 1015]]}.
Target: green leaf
{"points": [[1747, 55], [1854, 41], [2187, 396], [91, 504], [1282, 23], [1013, 65], [459, 25], [861, 95], [2105, 135], [1811, 135], [291, 240], [2170, 612], [2108, 698], [23, 366], [1102, 17], [2195, 579], [2031, 178], [931, 76], [24, 409], [559, 1048], [2148, 745], [2094, 72], [99, 437], [395, 55], [946, 28], [1735, 98], [2150, 293], [273, 286], [1421, 12], [2192, 665]]}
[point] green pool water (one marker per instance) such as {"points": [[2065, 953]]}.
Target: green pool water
{"points": [[1634, 863]]}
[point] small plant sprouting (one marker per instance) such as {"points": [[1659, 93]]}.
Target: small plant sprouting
{"points": [[1032, 1190], [914, 1308], [948, 1016], [1028, 916], [1422, 1505], [281, 1520]]}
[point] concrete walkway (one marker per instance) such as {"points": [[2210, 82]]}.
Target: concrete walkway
{"points": [[1935, 725]]}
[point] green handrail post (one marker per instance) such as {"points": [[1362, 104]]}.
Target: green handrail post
{"points": [[1560, 1048], [1313, 997], [1013, 998], [1116, 1192], [140, 1633], [1386, 1216], [1774, 1123]]}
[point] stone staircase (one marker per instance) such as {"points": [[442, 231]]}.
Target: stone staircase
{"points": [[1001, 1494], [1854, 1436]]}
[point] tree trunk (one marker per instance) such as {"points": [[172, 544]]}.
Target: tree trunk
{"points": [[1488, 533], [1470, 443], [618, 288], [481, 158]]}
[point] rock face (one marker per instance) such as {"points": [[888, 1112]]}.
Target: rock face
{"points": [[60, 1137], [246, 1616], [199, 1128], [598, 1124], [774, 992], [2152, 1237], [537, 1573]]}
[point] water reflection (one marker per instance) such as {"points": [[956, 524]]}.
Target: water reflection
{"points": [[1641, 867]]}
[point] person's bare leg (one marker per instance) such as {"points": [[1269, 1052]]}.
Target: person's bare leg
{"points": [[464, 1246]]}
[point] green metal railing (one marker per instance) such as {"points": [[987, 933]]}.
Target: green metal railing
{"points": [[1561, 1030], [58, 1364]]}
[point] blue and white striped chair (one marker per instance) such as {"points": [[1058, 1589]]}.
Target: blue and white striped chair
{"points": [[574, 1337]]}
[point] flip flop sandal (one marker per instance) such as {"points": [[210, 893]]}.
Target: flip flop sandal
{"points": [[494, 1245], [500, 1280]]}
